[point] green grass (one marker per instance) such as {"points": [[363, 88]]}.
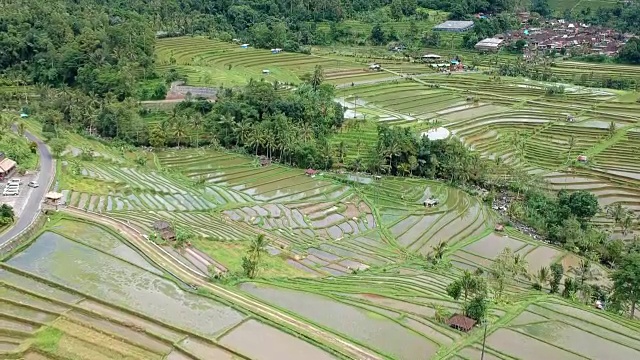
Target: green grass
{"points": [[47, 339], [230, 255]]}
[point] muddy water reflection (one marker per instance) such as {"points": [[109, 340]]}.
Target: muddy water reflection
{"points": [[92, 272], [374, 330]]}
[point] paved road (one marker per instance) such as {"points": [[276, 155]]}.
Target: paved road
{"points": [[34, 201]]}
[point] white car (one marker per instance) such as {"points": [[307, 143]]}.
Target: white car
{"points": [[33, 184], [14, 181], [10, 192]]}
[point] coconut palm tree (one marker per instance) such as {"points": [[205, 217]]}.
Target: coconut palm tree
{"points": [[227, 123], [306, 132], [438, 251], [243, 131], [542, 277], [257, 248], [617, 213], [197, 124], [571, 143], [180, 129]]}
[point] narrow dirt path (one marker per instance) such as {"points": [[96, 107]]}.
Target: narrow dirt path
{"points": [[190, 276]]}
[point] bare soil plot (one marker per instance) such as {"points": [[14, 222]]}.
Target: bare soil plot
{"points": [[541, 256]]}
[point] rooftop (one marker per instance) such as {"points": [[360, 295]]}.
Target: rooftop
{"points": [[454, 25], [491, 42], [461, 322]]}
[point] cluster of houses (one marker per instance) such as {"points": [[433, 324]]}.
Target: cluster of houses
{"points": [[556, 35], [551, 35]]}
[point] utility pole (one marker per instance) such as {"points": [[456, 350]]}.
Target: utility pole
{"points": [[484, 338]]}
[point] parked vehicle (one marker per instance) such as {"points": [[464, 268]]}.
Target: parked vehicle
{"points": [[14, 181], [10, 192], [33, 184]]}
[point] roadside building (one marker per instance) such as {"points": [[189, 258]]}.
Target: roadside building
{"points": [[454, 26], [7, 166], [489, 44], [52, 200]]}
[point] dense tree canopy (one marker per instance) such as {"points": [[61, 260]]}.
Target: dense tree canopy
{"points": [[75, 43]]}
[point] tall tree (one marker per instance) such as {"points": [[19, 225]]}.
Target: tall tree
{"points": [[626, 281]]}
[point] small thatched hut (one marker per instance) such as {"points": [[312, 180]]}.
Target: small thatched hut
{"points": [[461, 322], [164, 229]]}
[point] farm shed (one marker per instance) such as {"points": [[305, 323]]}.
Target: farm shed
{"points": [[431, 57], [431, 202], [489, 44], [6, 166], [310, 172], [454, 26], [165, 229], [276, 51], [582, 158], [461, 322]]}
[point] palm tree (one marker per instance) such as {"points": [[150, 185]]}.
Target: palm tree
{"points": [[257, 248], [571, 143], [439, 250], [227, 123], [627, 223], [392, 150], [306, 132], [617, 213], [542, 278], [317, 78], [470, 285], [179, 129], [197, 123], [342, 151], [520, 266], [243, 131], [584, 271], [269, 142]]}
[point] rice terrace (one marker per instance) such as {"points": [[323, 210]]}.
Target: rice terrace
{"points": [[228, 185]]}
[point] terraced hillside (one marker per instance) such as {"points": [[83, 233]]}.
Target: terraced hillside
{"points": [[516, 122], [215, 63]]}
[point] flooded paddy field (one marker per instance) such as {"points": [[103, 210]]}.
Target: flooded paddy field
{"points": [[96, 305]]}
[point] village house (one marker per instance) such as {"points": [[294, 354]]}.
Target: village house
{"points": [[489, 44], [7, 166]]}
